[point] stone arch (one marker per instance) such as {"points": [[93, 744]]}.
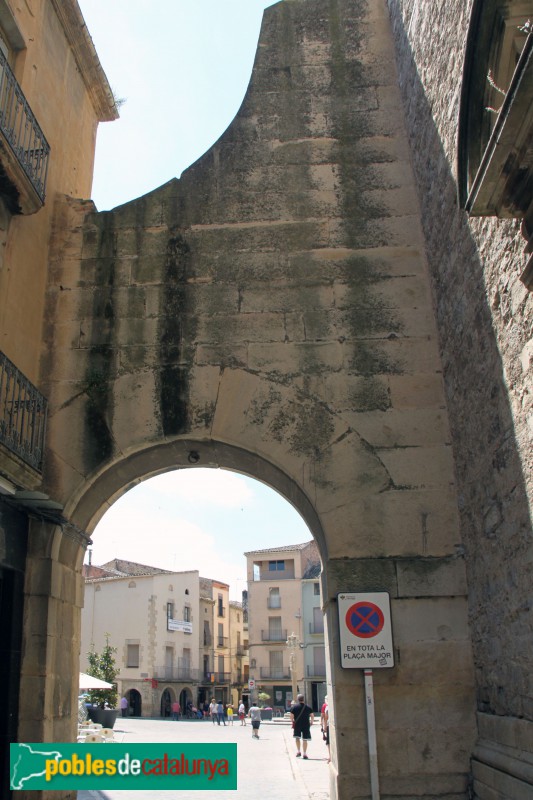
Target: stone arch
{"points": [[270, 312]]}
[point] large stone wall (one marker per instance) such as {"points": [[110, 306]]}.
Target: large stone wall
{"points": [[271, 312], [484, 318]]}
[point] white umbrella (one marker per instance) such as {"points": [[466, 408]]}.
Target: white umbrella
{"points": [[88, 682]]}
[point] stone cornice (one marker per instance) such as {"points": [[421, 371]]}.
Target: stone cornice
{"points": [[79, 39]]}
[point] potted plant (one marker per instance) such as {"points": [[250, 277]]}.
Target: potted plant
{"points": [[266, 713], [103, 702]]}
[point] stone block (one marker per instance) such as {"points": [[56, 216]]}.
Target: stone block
{"points": [[417, 391], [401, 427], [429, 619], [429, 577], [419, 466]]}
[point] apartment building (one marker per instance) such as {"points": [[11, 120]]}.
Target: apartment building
{"points": [[313, 644], [277, 639], [178, 636]]}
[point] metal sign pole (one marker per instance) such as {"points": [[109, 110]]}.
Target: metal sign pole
{"points": [[371, 730]]}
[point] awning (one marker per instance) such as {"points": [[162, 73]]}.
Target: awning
{"points": [[88, 682]]}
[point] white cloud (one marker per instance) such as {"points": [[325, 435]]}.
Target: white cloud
{"points": [[216, 486]]}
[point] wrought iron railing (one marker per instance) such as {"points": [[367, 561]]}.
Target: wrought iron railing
{"points": [[274, 636], [277, 673], [21, 129], [316, 627], [177, 673], [316, 671], [22, 414]]}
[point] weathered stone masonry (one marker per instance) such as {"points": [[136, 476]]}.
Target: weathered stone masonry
{"points": [[272, 311]]}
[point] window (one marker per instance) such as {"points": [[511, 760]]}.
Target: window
{"points": [[274, 629], [187, 614], [274, 599], [319, 660], [207, 633], [170, 610], [316, 588], [132, 655], [221, 664], [318, 621], [220, 634], [220, 605], [496, 117], [276, 663], [276, 566]]}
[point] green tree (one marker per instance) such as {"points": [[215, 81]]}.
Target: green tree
{"points": [[103, 665], [263, 697]]}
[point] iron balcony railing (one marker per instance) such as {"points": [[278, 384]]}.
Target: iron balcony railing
{"points": [[22, 414], [274, 636], [316, 671], [21, 129], [222, 641], [217, 677], [274, 602], [175, 673], [274, 672], [316, 627]]}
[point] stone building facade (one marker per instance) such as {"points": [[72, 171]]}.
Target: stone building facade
{"points": [[53, 95], [311, 304]]}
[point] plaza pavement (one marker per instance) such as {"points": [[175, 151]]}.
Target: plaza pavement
{"points": [[267, 768]]}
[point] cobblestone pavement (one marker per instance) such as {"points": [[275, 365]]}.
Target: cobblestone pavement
{"points": [[267, 768]]}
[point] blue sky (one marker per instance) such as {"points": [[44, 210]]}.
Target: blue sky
{"points": [[183, 67]]}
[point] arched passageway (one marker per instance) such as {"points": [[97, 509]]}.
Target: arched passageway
{"points": [[270, 313]]}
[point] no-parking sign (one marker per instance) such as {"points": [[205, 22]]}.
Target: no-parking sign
{"points": [[365, 630]]}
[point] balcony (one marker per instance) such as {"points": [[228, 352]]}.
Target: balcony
{"points": [[274, 636], [316, 671], [316, 629], [24, 150], [273, 602], [22, 419], [274, 673], [177, 673], [216, 677], [222, 641]]}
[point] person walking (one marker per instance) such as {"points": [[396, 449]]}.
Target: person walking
{"points": [[213, 710], [302, 717], [255, 716], [324, 724], [176, 710], [242, 713], [229, 712], [124, 706], [220, 713]]}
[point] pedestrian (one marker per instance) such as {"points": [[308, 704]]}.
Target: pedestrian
{"points": [[324, 724], [229, 711], [220, 713], [213, 710], [242, 713], [302, 717], [124, 706], [176, 710], [255, 716]]}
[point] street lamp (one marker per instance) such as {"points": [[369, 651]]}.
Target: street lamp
{"points": [[292, 643]]}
